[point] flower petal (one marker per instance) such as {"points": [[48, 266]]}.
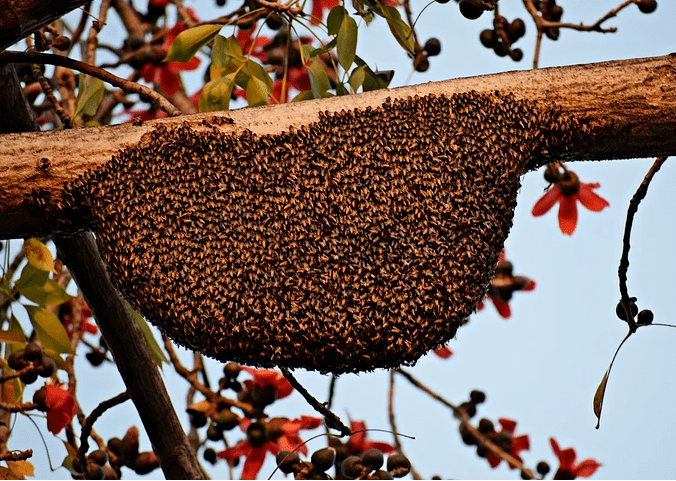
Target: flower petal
{"points": [[547, 201], [62, 408], [568, 215], [380, 446], [520, 443], [168, 80], [240, 449], [254, 462], [443, 352], [507, 425], [502, 307], [586, 468], [590, 199], [494, 461]]}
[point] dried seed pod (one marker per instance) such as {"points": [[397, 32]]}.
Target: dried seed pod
{"points": [[357, 242]]}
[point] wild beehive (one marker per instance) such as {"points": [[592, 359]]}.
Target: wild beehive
{"points": [[360, 241]]}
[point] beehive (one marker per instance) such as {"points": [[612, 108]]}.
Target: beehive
{"points": [[357, 242]]}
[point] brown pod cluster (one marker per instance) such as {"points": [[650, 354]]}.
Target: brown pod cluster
{"points": [[360, 241]]}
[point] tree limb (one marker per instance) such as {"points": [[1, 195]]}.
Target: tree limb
{"points": [[629, 104]]}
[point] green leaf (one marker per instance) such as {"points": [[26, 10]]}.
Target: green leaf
{"points": [[216, 94], [188, 42], [256, 92], [341, 90], [335, 19], [49, 329], [357, 78], [31, 276], [306, 95], [49, 294], [38, 255], [226, 57], [155, 350], [347, 42], [318, 51], [598, 398], [399, 28], [90, 92], [318, 79]]}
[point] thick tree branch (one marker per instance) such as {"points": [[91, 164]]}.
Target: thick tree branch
{"points": [[630, 105], [138, 370], [20, 18], [140, 374]]}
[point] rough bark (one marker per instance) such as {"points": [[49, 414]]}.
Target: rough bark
{"points": [[139, 372], [20, 18], [630, 105]]}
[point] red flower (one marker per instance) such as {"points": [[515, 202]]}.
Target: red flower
{"points": [[290, 440], [443, 352], [278, 434], [518, 443], [86, 313], [166, 74], [267, 377], [318, 7], [567, 467], [61, 406], [253, 47], [503, 285], [357, 443], [567, 190]]}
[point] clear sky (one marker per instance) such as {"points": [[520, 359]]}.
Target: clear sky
{"points": [[542, 366]]}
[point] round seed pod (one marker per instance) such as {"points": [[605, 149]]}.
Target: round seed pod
{"points": [[356, 242], [373, 459], [323, 459]]}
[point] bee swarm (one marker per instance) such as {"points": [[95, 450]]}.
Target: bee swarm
{"points": [[357, 242]]}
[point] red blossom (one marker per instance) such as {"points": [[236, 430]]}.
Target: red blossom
{"points": [[519, 443], [62, 408], [567, 467], [267, 377], [166, 74], [567, 190], [256, 447], [357, 443], [86, 316], [443, 352], [503, 285], [253, 47]]}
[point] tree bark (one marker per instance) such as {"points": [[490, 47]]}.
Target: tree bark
{"points": [[20, 18], [118, 326], [139, 372], [630, 105]]}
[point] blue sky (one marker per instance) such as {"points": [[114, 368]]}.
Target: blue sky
{"points": [[542, 366]]}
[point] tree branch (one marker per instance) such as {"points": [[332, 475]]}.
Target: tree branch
{"points": [[139, 372], [629, 104]]}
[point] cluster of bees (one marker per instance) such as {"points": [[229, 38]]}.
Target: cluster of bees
{"points": [[357, 242]]}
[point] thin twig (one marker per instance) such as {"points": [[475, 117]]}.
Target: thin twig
{"points": [[331, 419], [49, 93], [461, 414], [91, 419], [45, 58], [393, 423], [191, 377], [624, 259], [17, 456]]}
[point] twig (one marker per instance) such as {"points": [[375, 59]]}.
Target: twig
{"points": [[45, 58], [75, 36], [624, 259], [474, 432], [191, 377], [393, 423], [17, 456], [91, 419], [332, 420], [17, 407], [92, 39], [49, 93]]}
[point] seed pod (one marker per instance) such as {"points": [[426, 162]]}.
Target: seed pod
{"points": [[323, 459], [398, 465], [372, 459], [286, 461]]}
